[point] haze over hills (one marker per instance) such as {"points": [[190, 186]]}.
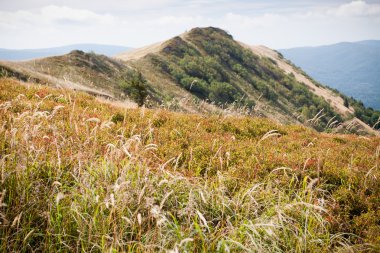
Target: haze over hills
{"points": [[28, 54], [351, 67], [204, 70]]}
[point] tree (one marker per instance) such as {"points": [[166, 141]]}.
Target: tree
{"points": [[346, 103], [135, 87]]}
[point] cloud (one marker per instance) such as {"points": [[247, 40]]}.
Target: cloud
{"points": [[352, 9], [355, 8], [357, 20], [92, 5], [293, 24], [265, 20], [177, 20], [52, 15]]}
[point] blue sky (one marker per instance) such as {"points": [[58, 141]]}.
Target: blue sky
{"points": [[274, 23]]}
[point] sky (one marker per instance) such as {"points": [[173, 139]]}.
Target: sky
{"points": [[134, 23]]}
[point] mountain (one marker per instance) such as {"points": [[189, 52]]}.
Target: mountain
{"points": [[350, 67], [210, 65], [204, 71], [27, 54]]}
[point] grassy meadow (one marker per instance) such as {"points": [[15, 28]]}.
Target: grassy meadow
{"points": [[78, 175]]}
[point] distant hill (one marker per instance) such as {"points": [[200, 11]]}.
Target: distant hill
{"points": [[27, 54], [352, 68], [203, 71]]}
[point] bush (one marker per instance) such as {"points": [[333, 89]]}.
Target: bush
{"points": [[135, 87], [196, 86], [118, 117], [346, 103], [223, 92]]}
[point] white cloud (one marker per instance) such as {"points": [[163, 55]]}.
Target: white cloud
{"points": [[265, 20], [352, 9], [257, 23], [355, 8], [53, 15], [177, 20], [92, 5]]}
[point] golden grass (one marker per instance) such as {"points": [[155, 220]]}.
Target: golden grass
{"points": [[80, 175]]}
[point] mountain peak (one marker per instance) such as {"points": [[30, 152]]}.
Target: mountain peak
{"points": [[207, 31], [76, 52], [178, 43]]}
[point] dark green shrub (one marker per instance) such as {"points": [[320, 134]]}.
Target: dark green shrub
{"points": [[346, 103], [118, 117], [134, 85], [223, 92]]}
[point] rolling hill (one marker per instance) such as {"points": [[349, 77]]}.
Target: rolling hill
{"points": [[28, 54], [351, 67], [204, 71]]}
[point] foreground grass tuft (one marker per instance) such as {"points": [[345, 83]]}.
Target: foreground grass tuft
{"points": [[79, 175]]}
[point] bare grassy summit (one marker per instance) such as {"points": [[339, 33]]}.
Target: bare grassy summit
{"points": [[79, 175]]}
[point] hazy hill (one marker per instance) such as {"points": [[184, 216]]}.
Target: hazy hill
{"points": [[352, 68], [204, 71], [27, 54]]}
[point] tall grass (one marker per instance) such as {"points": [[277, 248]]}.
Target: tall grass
{"points": [[74, 180]]}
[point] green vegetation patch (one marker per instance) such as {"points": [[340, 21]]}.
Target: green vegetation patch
{"points": [[213, 67]]}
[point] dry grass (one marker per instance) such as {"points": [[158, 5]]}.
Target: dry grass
{"points": [[80, 175]]}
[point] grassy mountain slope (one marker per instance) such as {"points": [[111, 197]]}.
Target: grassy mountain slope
{"points": [[351, 67], [96, 74], [203, 70], [210, 65], [365, 118], [80, 175]]}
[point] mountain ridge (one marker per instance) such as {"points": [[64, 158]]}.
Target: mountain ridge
{"points": [[328, 94], [206, 71]]}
